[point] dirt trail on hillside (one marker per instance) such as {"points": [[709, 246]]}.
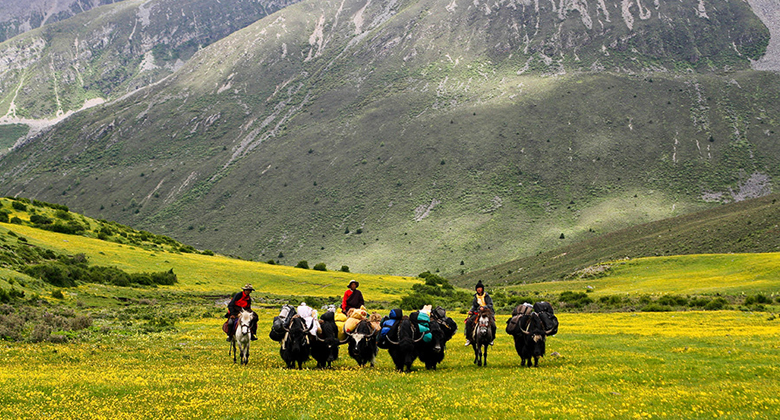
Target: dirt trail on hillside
{"points": [[769, 13]]}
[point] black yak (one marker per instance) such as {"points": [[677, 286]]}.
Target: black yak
{"points": [[402, 346], [432, 352], [530, 339], [296, 345], [325, 346], [362, 343]]}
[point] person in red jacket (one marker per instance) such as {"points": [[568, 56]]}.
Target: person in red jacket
{"points": [[241, 300], [353, 298]]}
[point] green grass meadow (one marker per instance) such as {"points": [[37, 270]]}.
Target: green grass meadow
{"points": [[645, 365]]}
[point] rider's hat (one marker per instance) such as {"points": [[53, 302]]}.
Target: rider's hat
{"points": [[357, 284], [479, 284], [248, 287]]}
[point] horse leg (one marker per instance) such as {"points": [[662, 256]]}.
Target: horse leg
{"points": [[233, 345], [485, 355]]}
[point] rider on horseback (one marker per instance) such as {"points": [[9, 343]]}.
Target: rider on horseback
{"points": [[241, 300], [481, 299]]}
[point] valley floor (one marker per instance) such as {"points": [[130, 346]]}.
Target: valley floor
{"points": [[617, 365]]}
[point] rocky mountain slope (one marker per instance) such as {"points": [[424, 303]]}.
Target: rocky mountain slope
{"points": [[104, 53], [17, 17], [409, 135]]}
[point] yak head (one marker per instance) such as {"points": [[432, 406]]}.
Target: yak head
{"points": [[297, 337]]}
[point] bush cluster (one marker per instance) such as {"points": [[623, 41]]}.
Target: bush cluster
{"points": [[67, 272], [436, 291], [37, 324]]}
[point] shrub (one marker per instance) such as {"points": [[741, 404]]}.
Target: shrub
{"points": [[575, 299], [757, 299], [15, 220], [345, 269], [302, 264], [610, 300], [716, 304], [4, 217], [19, 206], [699, 302], [57, 294], [208, 252], [80, 322], [271, 262], [320, 267], [40, 220], [673, 300]]}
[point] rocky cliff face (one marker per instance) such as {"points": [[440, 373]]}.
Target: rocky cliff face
{"points": [[17, 16], [109, 51]]}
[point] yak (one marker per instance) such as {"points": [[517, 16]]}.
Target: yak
{"points": [[325, 347], [361, 343], [402, 346], [432, 353], [296, 346], [530, 339]]}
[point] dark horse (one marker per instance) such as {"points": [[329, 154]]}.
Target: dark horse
{"points": [[296, 346], [482, 336]]}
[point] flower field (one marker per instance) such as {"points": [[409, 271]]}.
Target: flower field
{"points": [[607, 365]]}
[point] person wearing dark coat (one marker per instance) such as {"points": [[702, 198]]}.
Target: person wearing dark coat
{"points": [[353, 298], [481, 298], [241, 300]]}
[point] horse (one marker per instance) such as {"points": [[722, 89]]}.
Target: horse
{"points": [[482, 336], [242, 336]]}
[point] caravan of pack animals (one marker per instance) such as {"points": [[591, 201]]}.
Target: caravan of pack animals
{"points": [[303, 333]]}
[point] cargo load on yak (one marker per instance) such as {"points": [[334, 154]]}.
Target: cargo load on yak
{"points": [[388, 323], [340, 318], [546, 314], [422, 320], [310, 317], [354, 316], [281, 323], [520, 311]]}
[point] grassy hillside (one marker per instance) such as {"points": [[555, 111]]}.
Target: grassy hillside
{"points": [[748, 226], [198, 273], [410, 136]]}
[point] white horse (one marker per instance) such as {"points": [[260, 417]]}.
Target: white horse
{"points": [[242, 336]]}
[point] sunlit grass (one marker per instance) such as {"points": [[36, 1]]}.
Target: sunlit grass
{"points": [[684, 274], [203, 273], [646, 365]]}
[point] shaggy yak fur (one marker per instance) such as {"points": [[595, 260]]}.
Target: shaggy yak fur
{"points": [[432, 353], [296, 344], [325, 347], [402, 347], [362, 343], [530, 340]]}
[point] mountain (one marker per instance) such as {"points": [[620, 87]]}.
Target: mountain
{"points": [[750, 226], [402, 136], [106, 52], [17, 17]]}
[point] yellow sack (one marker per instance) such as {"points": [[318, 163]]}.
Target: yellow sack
{"points": [[351, 324], [339, 317], [342, 334]]}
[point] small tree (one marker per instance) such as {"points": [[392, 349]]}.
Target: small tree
{"points": [[303, 264], [320, 267], [345, 269]]}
